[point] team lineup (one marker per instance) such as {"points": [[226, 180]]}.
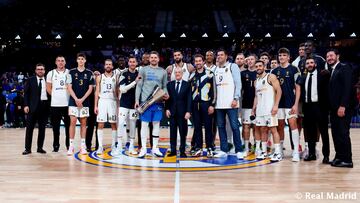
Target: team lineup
{"points": [[254, 94]]}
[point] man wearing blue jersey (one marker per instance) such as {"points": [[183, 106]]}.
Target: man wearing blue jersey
{"points": [[288, 75], [248, 77], [80, 83]]}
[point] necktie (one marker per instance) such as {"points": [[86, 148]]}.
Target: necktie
{"points": [[177, 87], [309, 88], [39, 87]]}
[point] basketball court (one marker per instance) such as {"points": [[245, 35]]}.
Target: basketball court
{"points": [[55, 177]]}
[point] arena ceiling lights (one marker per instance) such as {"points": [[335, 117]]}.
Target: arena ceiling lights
{"points": [[183, 35]]}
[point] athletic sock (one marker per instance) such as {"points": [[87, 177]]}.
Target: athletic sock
{"points": [[100, 134]]}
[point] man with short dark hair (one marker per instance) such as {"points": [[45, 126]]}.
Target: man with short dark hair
{"points": [[341, 94], [36, 106]]}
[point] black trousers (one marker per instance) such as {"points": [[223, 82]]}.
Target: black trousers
{"points": [[340, 130], [178, 122], [58, 114], [91, 125], [200, 118], [40, 116], [316, 121]]}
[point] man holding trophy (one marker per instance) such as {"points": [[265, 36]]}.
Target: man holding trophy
{"points": [[151, 88]]}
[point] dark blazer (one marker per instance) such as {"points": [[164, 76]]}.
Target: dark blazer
{"points": [[341, 91], [180, 103], [323, 78], [31, 94]]}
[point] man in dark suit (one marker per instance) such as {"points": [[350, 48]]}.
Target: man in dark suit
{"points": [[342, 103], [314, 97], [178, 108], [36, 106]]}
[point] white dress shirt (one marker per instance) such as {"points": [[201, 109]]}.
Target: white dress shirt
{"points": [[43, 88], [314, 90]]}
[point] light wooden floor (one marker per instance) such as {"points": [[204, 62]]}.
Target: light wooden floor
{"points": [[55, 177]]}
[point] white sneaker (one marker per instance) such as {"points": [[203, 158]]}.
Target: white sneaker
{"points": [[132, 150], [240, 155], [245, 153], [156, 152], [220, 154], [261, 156], [83, 150], [296, 157], [70, 151], [142, 153], [276, 157], [100, 150], [198, 153], [257, 153]]}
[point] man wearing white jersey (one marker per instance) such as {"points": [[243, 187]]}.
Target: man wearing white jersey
{"points": [[186, 67], [266, 103], [56, 87], [105, 104], [228, 93]]}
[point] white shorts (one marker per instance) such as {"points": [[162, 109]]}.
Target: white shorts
{"points": [[125, 114], [268, 121], [79, 112], [245, 116], [106, 111], [285, 114]]}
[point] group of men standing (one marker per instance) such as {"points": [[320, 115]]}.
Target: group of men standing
{"points": [[211, 92]]}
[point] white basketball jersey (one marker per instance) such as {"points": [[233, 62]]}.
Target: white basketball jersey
{"points": [[107, 87], [265, 96], [59, 93], [225, 87], [186, 73]]}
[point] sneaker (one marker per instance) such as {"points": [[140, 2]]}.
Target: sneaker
{"points": [[240, 155], [83, 150], [276, 157], [261, 156], [296, 157], [100, 150], [132, 150], [116, 152], [257, 153], [156, 152], [245, 153], [198, 152], [70, 151], [220, 154], [142, 153], [210, 153]]}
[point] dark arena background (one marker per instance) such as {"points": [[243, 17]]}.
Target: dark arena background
{"points": [[36, 31]]}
